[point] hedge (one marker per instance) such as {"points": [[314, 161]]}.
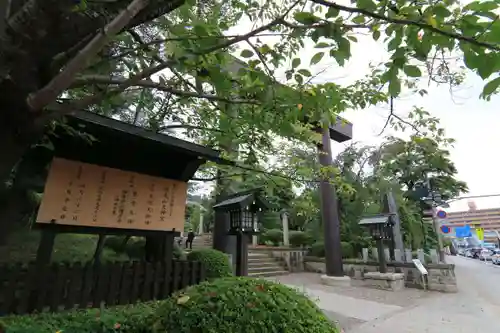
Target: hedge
{"points": [[300, 238], [217, 263], [241, 304], [136, 318], [318, 250], [274, 236]]}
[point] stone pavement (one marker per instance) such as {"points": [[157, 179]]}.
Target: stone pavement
{"points": [[352, 306], [475, 308]]}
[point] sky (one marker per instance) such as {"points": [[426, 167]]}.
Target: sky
{"points": [[471, 121]]}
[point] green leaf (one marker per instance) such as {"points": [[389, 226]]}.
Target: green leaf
{"points": [[490, 87], [304, 72], [295, 62], [412, 71], [344, 46], [441, 11], [322, 45], [376, 34], [299, 78], [246, 53], [366, 4], [332, 12], [394, 86], [317, 58], [360, 19], [305, 17]]}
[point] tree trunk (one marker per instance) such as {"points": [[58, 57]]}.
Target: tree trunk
{"points": [[14, 207], [18, 133], [12, 148]]}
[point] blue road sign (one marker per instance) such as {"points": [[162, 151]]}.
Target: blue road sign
{"points": [[441, 214], [445, 229], [462, 232]]}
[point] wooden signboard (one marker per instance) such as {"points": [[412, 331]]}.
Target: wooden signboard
{"points": [[81, 194]]}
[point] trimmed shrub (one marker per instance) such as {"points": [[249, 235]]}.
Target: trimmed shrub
{"points": [[240, 304], [178, 252], [273, 235], [137, 318], [427, 256], [216, 263], [300, 238], [318, 250], [347, 250]]}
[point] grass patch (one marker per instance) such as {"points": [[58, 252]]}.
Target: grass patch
{"points": [[23, 244]]}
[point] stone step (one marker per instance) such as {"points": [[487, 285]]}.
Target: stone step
{"points": [[265, 269], [257, 265], [258, 255], [267, 273]]}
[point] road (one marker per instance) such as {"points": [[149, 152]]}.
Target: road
{"points": [[474, 309], [479, 280]]}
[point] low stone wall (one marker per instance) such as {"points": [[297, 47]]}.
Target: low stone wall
{"points": [[441, 277]]}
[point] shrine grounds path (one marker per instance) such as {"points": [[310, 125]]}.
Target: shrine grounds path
{"points": [[475, 308]]}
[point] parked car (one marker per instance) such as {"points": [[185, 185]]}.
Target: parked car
{"points": [[495, 257], [473, 252], [461, 252], [485, 255]]}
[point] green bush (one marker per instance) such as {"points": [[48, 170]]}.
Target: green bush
{"points": [[240, 304], [347, 250], [136, 318], [318, 250], [273, 235], [216, 263], [427, 256], [300, 238], [179, 253]]}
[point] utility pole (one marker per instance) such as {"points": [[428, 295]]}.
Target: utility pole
{"points": [[435, 222], [434, 199]]}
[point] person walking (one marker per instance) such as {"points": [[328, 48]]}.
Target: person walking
{"points": [[190, 239]]}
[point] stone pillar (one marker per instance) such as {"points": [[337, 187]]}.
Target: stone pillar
{"points": [[365, 254], [387, 254], [434, 256], [408, 255], [421, 255], [255, 238], [375, 253], [398, 255], [200, 227], [286, 236]]}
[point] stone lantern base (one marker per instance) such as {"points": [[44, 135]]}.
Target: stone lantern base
{"points": [[385, 281], [336, 281]]}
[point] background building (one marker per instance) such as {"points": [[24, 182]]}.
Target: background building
{"points": [[488, 219]]}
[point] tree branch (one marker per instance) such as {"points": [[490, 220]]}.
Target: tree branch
{"points": [[392, 114], [59, 109], [158, 86], [421, 25], [211, 179], [38, 100], [186, 126]]}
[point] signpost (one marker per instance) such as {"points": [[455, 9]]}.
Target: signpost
{"points": [[441, 214], [445, 229], [422, 270], [419, 266]]}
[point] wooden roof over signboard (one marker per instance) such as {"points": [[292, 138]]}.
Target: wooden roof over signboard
{"points": [[127, 147]]}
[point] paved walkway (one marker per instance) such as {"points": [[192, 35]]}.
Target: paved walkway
{"points": [[475, 308], [351, 306]]}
